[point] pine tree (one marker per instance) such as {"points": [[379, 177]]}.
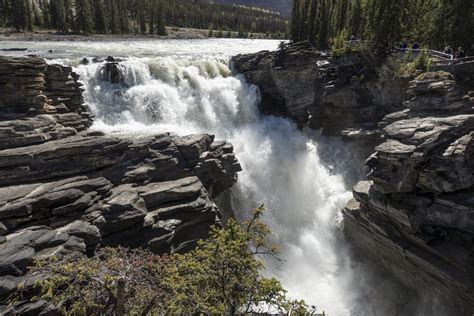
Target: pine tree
{"points": [[100, 22], [69, 16], [29, 15], [312, 21], [141, 15], [323, 28], [37, 16], [160, 23], [83, 16], [113, 20], [356, 18], [295, 21], [4, 13]]}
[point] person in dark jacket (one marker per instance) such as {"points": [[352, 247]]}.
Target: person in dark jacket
{"points": [[448, 50], [404, 44], [415, 45], [460, 53]]}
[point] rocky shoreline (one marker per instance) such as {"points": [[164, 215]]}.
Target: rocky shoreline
{"points": [[414, 216], [65, 189]]}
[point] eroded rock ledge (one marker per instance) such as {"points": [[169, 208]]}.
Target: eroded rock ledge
{"points": [[416, 212], [342, 96], [65, 189]]}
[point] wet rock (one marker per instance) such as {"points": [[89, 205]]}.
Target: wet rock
{"points": [[111, 71]]}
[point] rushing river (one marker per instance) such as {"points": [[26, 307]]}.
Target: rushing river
{"points": [[187, 86]]}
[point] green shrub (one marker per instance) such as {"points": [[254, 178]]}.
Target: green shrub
{"points": [[221, 276], [412, 68]]}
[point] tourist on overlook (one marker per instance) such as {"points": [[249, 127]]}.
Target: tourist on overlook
{"points": [[415, 45], [448, 50], [404, 44], [460, 53]]}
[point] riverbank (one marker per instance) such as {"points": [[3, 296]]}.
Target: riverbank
{"points": [[53, 36]]}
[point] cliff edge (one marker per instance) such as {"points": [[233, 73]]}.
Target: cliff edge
{"points": [[416, 212]]}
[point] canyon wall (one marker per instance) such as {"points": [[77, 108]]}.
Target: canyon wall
{"points": [[344, 95], [416, 212], [414, 216], [65, 189]]}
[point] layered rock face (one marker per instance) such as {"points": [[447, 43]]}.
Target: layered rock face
{"points": [[65, 189], [340, 95], [286, 79], [416, 212]]}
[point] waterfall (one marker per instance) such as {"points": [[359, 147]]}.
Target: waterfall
{"points": [[282, 168], [186, 86]]}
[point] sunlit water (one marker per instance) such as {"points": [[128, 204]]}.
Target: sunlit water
{"points": [[186, 86]]}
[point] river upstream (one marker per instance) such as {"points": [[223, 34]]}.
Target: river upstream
{"points": [[187, 86]]}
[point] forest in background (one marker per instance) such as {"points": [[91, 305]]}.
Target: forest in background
{"points": [[281, 6], [138, 17], [432, 23]]}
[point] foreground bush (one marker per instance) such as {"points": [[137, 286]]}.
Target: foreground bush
{"points": [[222, 275]]}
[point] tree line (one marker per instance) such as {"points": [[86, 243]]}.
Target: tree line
{"points": [[434, 23], [136, 16]]}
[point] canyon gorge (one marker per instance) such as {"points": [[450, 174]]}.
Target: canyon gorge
{"points": [[152, 147]]}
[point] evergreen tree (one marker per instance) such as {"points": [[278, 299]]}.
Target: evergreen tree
{"points": [[160, 23], [125, 16], [296, 21], [29, 15], [312, 21], [100, 22], [37, 16], [436, 23], [4, 13], [83, 16], [113, 20], [141, 15]]}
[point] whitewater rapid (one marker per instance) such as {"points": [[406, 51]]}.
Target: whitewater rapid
{"points": [[185, 88]]}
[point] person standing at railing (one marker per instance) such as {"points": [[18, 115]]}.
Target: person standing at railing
{"points": [[448, 50], [460, 53], [404, 44], [415, 45]]}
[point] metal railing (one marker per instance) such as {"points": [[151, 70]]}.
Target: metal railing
{"points": [[453, 61], [430, 52]]}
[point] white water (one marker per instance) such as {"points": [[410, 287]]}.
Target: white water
{"points": [[187, 87]]}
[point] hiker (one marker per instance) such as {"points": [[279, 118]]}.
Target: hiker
{"points": [[404, 44], [448, 50], [460, 53], [353, 37], [415, 45]]}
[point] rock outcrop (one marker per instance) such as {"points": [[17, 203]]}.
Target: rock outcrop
{"points": [[416, 213], [286, 79], [65, 189], [340, 95]]}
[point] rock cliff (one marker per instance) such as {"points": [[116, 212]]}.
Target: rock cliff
{"points": [[65, 189], [341, 95], [416, 212]]}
